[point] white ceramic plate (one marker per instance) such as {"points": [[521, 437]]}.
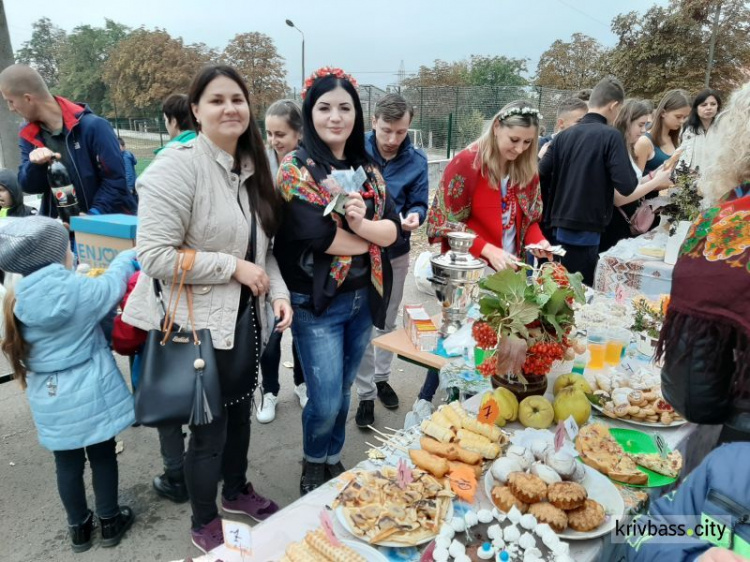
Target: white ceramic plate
{"points": [[600, 489], [369, 553], [677, 423], [339, 511]]}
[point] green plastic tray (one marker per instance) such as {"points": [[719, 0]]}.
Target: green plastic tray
{"points": [[636, 442]]}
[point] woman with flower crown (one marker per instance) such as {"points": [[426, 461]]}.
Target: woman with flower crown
{"points": [[491, 188], [331, 257]]}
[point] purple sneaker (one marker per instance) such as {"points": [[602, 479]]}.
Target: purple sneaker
{"points": [[209, 536], [250, 503]]}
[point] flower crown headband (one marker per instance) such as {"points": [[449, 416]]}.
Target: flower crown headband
{"points": [[327, 71], [524, 111]]}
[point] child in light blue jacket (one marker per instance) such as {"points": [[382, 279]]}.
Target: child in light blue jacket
{"points": [[78, 397]]}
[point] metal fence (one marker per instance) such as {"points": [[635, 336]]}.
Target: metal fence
{"points": [[447, 118]]}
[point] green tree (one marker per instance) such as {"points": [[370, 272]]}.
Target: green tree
{"points": [[668, 47], [497, 71], [571, 65], [255, 56], [441, 73], [44, 50], [147, 66], [85, 56]]}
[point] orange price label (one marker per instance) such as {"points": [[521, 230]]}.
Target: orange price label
{"points": [[488, 411], [464, 483]]}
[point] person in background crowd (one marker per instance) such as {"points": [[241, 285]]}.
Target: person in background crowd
{"points": [[59, 128], [656, 146], [215, 195], [695, 134], [333, 263], [176, 112], [404, 168], [583, 167], [583, 95], [569, 112], [56, 347], [715, 492], [651, 111], [491, 188], [705, 341], [631, 122], [283, 133], [130, 161], [11, 196]]}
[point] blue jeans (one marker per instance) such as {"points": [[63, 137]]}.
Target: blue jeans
{"points": [[330, 348]]}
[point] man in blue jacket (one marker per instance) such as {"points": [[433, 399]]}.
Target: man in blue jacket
{"points": [[83, 141], [404, 168]]}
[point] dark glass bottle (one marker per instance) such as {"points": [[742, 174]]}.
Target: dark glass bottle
{"points": [[63, 191]]}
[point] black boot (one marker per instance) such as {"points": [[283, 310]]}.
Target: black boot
{"points": [[334, 470], [313, 476], [172, 487], [365, 415], [80, 535], [115, 527]]}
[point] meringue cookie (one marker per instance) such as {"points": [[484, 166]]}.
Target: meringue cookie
{"points": [[494, 532], [440, 555], [471, 519], [484, 516], [447, 531], [549, 475], [561, 462], [529, 522], [456, 549], [541, 529], [521, 454], [531, 557], [462, 558], [511, 534], [527, 540], [532, 553], [498, 544], [538, 448], [499, 515], [442, 542], [486, 552], [503, 466], [514, 515], [458, 524], [550, 540], [561, 549]]}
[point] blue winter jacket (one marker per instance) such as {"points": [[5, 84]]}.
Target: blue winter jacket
{"points": [[407, 182], [718, 491], [130, 161], [98, 172], [77, 394]]}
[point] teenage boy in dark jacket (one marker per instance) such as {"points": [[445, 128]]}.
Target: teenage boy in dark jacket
{"points": [[11, 196], [84, 142], [583, 168], [404, 168]]}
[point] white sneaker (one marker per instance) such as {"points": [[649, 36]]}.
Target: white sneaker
{"points": [[301, 391], [267, 411]]}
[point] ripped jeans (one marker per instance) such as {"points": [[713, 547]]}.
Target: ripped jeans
{"points": [[330, 348]]}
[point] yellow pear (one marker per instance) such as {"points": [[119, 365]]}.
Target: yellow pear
{"points": [[572, 380], [508, 403], [571, 401], [536, 412]]}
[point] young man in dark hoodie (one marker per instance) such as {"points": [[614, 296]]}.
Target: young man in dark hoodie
{"points": [[586, 167], [11, 196], [59, 128]]}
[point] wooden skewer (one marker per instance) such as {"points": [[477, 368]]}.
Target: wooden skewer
{"points": [[392, 444], [376, 430], [376, 447], [399, 431]]}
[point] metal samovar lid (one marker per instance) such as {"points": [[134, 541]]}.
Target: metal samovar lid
{"points": [[458, 257]]}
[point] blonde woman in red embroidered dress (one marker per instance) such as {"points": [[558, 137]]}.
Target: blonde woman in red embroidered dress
{"points": [[491, 188]]}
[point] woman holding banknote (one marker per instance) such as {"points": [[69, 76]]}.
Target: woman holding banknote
{"points": [[337, 220]]}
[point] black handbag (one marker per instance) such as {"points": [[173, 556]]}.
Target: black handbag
{"points": [[179, 382]]}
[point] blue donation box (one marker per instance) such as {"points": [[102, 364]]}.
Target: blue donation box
{"points": [[99, 238]]}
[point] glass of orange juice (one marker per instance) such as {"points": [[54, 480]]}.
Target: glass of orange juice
{"points": [[617, 342], [597, 344]]}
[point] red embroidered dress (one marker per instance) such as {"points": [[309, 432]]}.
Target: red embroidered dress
{"points": [[466, 201]]}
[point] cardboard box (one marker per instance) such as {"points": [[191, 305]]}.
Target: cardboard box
{"points": [[421, 329], [99, 238]]}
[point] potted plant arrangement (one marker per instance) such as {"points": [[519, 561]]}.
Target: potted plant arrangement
{"points": [[683, 208], [525, 326], [647, 322]]}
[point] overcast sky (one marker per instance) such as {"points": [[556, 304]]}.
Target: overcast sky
{"points": [[368, 39]]}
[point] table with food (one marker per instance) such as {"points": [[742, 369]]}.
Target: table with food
{"points": [[567, 434]]}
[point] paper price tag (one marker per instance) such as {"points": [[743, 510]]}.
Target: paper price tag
{"points": [[238, 537], [327, 524], [404, 474], [464, 483], [559, 436], [620, 295], [488, 411], [571, 428]]}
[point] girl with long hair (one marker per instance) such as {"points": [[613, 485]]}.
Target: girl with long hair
{"points": [[59, 355], [283, 133], [657, 146], [695, 134], [215, 195], [333, 260]]}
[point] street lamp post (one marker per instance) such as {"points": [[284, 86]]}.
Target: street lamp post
{"points": [[290, 23]]}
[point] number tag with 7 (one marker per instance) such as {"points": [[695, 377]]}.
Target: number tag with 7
{"points": [[488, 411]]}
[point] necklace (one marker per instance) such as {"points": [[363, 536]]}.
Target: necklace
{"points": [[509, 205]]}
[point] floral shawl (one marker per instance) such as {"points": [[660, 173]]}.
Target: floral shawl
{"points": [[451, 207]]}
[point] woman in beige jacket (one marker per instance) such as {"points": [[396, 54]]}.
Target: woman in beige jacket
{"points": [[207, 195]]}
